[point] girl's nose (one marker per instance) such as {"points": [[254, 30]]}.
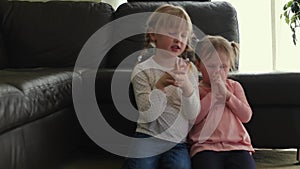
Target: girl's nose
{"points": [[177, 39]]}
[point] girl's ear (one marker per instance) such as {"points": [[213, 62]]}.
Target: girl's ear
{"points": [[151, 33]]}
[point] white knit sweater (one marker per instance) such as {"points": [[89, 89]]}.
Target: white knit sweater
{"points": [[169, 115]]}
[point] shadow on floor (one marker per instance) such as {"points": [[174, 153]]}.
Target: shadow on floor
{"points": [[265, 159]]}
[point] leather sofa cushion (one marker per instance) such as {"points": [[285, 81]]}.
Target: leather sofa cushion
{"points": [[49, 33], [28, 94], [12, 106], [213, 18], [274, 88]]}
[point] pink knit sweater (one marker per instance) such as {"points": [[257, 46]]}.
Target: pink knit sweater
{"points": [[229, 133]]}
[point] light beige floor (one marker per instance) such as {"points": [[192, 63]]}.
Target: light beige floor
{"points": [[276, 159]]}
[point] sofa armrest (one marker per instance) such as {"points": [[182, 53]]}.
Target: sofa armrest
{"points": [[275, 100], [274, 88]]}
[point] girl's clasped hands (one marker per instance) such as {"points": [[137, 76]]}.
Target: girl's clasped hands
{"points": [[177, 77], [218, 83]]}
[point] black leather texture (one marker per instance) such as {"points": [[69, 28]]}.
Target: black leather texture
{"points": [[3, 57], [275, 88], [275, 100], [50, 33], [39, 44], [34, 93], [43, 143]]}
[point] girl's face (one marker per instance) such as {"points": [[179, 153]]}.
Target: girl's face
{"points": [[213, 65], [172, 41]]}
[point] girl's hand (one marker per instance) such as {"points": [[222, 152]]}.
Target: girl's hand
{"points": [[164, 81], [180, 76], [219, 83]]}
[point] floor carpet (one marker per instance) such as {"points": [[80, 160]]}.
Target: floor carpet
{"points": [[265, 159]]}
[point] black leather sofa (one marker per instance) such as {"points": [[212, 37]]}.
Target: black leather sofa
{"points": [[39, 45]]}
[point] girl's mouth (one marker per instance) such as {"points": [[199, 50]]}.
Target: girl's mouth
{"points": [[175, 48]]}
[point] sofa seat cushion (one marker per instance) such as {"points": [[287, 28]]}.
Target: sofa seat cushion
{"points": [[26, 95], [12, 103]]}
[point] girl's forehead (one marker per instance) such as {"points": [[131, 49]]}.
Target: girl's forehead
{"points": [[170, 21], [178, 26], [174, 29], [216, 57]]}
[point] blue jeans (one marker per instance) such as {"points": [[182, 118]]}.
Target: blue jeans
{"points": [[175, 158], [238, 159]]}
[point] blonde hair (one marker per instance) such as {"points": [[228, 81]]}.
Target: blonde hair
{"points": [[212, 44], [157, 21]]}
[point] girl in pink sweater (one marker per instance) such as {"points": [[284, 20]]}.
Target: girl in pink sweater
{"points": [[218, 138]]}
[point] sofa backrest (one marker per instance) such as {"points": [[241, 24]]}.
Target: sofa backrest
{"points": [[49, 33], [3, 57], [213, 18]]}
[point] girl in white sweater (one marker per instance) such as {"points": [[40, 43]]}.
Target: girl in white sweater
{"points": [[166, 93]]}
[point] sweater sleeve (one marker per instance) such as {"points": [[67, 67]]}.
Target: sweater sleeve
{"points": [[151, 102], [191, 105], [238, 102], [205, 101]]}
